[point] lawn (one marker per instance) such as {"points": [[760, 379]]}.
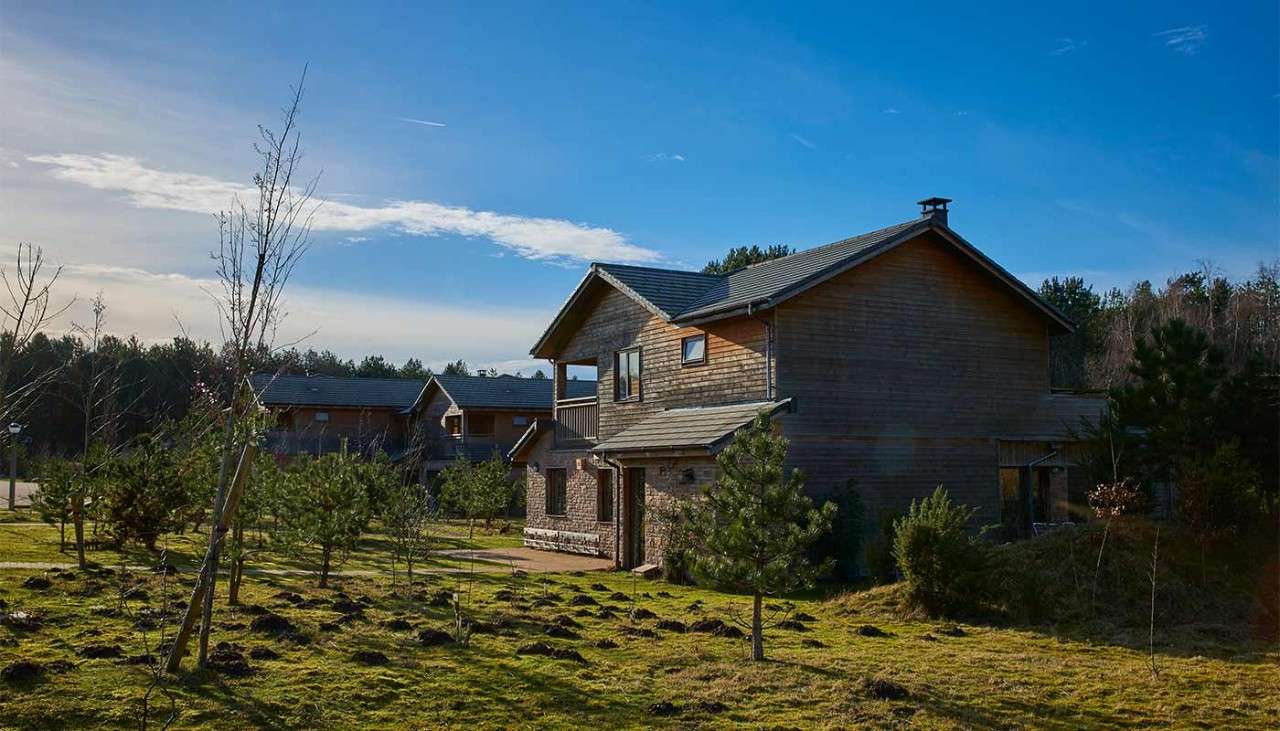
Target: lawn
{"points": [[633, 671]]}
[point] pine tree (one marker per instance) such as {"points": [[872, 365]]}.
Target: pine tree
{"points": [[754, 526]]}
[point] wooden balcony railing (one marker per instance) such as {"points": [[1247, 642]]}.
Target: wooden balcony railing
{"points": [[577, 422]]}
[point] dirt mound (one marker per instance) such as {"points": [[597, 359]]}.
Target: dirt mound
{"points": [[21, 671], [671, 625], [370, 657], [870, 630], [792, 625], [228, 659], [101, 652], [884, 689], [545, 650], [37, 583], [434, 637], [272, 624], [398, 625], [263, 653], [717, 627], [582, 600], [642, 613]]}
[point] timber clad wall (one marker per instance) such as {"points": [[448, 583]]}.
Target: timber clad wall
{"points": [[903, 371], [734, 369]]}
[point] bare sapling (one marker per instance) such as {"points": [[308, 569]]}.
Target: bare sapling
{"points": [[258, 247], [1151, 629], [25, 309]]}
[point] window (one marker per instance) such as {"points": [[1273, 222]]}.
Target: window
{"points": [[604, 496], [453, 425], [321, 416], [519, 421], [480, 424], [556, 491], [693, 350], [626, 375]]}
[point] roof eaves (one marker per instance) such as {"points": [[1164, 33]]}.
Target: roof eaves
{"points": [[564, 310]]}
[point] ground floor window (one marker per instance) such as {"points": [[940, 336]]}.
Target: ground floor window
{"points": [[557, 489], [1025, 497], [604, 496]]}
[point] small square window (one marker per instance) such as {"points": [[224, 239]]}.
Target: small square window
{"points": [[693, 350], [519, 421], [321, 416]]}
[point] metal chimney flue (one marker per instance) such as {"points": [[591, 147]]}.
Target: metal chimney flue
{"points": [[934, 208]]}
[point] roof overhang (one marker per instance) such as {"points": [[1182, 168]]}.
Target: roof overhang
{"points": [[595, 276], [735, 417]]}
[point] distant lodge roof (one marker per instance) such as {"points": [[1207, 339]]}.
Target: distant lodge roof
{"points": [[702, 428], [335, 391], [504, 392], [686, 298]]}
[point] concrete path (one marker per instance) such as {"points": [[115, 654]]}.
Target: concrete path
{"points": [[490, 561], [22, 493]]}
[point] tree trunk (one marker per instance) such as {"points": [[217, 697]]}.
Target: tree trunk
{"points": [[62, 535], [77, 520], [757, 629], [324, 568], [237, 565]]}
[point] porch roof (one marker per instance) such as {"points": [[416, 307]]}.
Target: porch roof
{"points": [[702, 427]]}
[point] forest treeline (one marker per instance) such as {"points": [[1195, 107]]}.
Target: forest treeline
{"points": [[152, 382]]}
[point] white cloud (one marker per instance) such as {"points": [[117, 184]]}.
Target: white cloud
{"points": [[891, 110], [1186, 40], [151, 304], [529, 237], [802, 141], [665, 157], [1068, 45], [422, 122]]}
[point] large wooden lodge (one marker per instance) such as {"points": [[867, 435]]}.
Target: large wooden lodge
{"points": [[900, 359]]}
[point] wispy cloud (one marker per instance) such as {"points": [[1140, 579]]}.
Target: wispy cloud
{"points": [[1186, 40], [423, 122], [665, 157], [529, 237], [802, 141], [150, 305], [891, 110], [1068, 45]]}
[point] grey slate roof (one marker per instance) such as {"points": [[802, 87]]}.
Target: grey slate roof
{"points": [[395, 393], [702, 427], [530, 437], [689, 297], [669, 290], [507, 392], [771, 278]]}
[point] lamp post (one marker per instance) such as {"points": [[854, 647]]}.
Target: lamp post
{"points": [[14, 430]]}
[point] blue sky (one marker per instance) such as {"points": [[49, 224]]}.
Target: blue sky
{"points": [[1116, 141]]}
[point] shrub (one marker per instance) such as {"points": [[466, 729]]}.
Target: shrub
{"points": [[843, 545], [144, 491], [54, 501], [880, 562], [943, 564]]}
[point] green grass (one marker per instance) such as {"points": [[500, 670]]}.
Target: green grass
{"points": [[29, 542], [992, 677]]}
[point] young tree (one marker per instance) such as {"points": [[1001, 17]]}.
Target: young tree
{"points": [[407, 516], [326, 508], [755, 526], [259, 245], [942, 562], [742, 256], [262, 490], [53, 500], [143, 494], [27, 310], [477, 491], [457, 368]]}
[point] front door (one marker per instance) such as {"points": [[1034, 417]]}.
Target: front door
{"points": [[633, 531]]}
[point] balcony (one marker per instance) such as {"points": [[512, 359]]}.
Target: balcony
{"points": [[577, 422]]}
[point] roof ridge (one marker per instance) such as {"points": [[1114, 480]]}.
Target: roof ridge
{"points": [[657, 269], [833, 244]]}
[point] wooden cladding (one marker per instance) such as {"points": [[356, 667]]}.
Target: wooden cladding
{"points": [[734, 351], [577, 424]]}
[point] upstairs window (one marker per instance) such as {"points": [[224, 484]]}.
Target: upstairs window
{"points": [[626, 375], [557, 491], [453, 425], [519, 421], [321, 416], [693, 350]]}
